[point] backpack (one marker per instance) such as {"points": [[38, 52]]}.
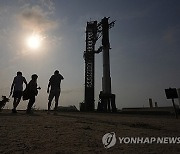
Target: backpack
{"points": [[26, 93]]}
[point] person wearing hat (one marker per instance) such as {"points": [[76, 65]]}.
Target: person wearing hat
{"points": [[33, 91]]}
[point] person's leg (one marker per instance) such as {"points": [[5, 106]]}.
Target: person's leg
{"points": [[16, 103], [30, 104], [17, 98], [51, 96], [57, 99], [49, 104]]}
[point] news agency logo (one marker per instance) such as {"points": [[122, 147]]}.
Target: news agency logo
{"points": [[109, 140]]}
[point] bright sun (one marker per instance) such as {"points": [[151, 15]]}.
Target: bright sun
{"points": [[34, 41]]}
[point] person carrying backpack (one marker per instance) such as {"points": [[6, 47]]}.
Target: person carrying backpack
{"points": [[32, 92]]}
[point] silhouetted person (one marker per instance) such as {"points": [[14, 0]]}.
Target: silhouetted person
{"points": [[33, 91], [17, 89], [54, 83]]}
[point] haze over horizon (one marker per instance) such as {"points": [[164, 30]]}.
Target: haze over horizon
{"points": [[144, 58]]}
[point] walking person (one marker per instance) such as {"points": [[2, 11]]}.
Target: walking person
{"points": [[32, 92], [17, 90], [54, 83]]}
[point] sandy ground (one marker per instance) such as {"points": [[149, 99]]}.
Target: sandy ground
{"points": [[69, 132]]}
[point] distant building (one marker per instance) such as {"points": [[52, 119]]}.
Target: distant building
{"points": [[150, 103]]}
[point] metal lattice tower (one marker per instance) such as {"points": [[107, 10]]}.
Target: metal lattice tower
{"points": [[91, 37]]}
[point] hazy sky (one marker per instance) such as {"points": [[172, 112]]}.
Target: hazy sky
{"points": [[145, 42]]}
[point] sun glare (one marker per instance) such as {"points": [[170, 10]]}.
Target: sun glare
{"points": [[34, 41]]}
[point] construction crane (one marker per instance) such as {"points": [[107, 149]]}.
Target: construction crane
{"points": [[94, 31]]}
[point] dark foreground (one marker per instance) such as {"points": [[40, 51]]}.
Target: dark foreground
{"points": [[69, 132]]}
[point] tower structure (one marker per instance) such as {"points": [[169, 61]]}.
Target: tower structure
{"points": [[91, 37], [106, 80], [94, 31], [107, 99]]}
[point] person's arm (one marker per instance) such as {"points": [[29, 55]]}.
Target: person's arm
{"points": [[24, 80], [62, 78], [12, 86], [48, 87], [36, 89], [49, 84]]}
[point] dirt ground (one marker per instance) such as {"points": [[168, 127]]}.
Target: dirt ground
{"points": [[76, 132]]}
